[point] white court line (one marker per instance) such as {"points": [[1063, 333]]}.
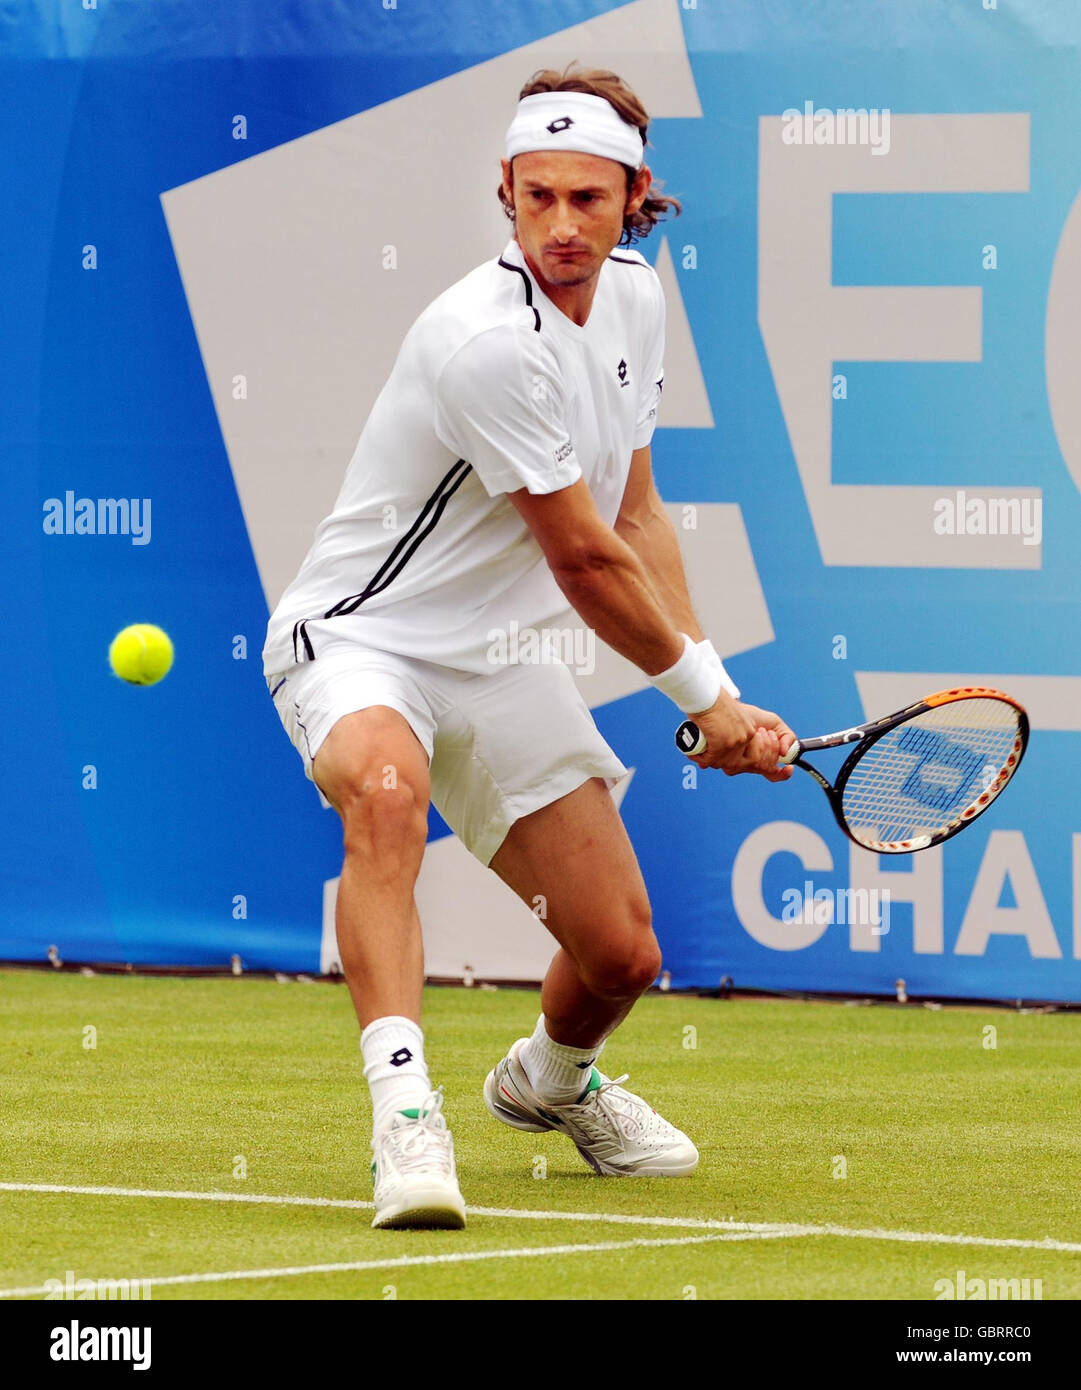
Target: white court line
{"points": [[600, 1218], [185, 1196], [406, 1261]]}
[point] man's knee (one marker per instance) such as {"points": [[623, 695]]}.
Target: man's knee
{"points": [[384, 818], [374, 773], [632, 961]]}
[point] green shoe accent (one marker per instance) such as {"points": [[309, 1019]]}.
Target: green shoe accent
{"points": [[411, 1114], [594, 1085]]}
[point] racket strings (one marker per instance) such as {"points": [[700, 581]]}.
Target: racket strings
{"points": [[931, 771]]}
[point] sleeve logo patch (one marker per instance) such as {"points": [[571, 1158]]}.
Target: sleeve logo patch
{"points": [[564, 451]]}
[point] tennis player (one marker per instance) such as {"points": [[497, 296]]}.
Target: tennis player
{"points": [[509, 456]]}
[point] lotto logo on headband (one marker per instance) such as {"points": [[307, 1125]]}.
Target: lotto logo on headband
{"points": [[544, 122]]}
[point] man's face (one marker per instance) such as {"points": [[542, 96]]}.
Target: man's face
{"points": [[569, 211]]}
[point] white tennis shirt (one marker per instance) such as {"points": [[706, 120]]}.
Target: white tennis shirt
{"points": [[494, 390]]}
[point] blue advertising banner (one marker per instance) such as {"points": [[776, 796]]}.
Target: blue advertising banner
{"points": [[220, 223]]}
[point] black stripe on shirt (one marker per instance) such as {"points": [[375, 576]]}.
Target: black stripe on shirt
{"points": [[300, 630], [424, 524], [528, 290], [399, 557]]}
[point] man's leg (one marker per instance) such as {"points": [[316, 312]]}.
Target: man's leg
{"points": [[575, 852], [374, 772]]}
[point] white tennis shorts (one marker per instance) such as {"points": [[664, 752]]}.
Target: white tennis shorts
{"points": [[499, 745]]}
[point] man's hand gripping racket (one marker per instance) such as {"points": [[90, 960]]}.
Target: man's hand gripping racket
{"points": [[915, 777], [734, 738]]}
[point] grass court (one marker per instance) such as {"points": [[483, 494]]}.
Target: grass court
{"points": [[215, 1142]]}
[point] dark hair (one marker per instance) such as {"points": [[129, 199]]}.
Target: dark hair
{"points": [[598, 82]]}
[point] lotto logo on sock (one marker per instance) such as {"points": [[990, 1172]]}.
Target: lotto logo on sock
{"points": [[399, 1058]]}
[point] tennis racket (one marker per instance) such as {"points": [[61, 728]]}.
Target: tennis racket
{"points": [[918, 776]]}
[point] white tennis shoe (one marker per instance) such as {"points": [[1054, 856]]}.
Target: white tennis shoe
{"points": [[416, 1184], [616, 1132]]}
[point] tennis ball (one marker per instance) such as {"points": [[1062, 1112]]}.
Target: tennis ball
{"points": [[141, 654]]}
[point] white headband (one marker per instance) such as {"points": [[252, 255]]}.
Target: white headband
{"points": [[574, 121]]}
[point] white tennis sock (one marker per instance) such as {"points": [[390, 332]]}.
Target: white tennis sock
{"points": [[557, 1073], [394, 1067]]}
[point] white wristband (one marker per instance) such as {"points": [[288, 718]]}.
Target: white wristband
{"points": [[727, 683], [695, 681]]}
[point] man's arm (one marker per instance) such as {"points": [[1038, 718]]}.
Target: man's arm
{"points": [[601, 576], [643, 523], [608, 586]]}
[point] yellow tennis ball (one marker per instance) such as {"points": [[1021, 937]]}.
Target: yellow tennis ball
{"points": [[141, 654]]}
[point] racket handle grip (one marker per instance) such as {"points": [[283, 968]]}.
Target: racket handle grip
{"points": [[690, 739]]}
